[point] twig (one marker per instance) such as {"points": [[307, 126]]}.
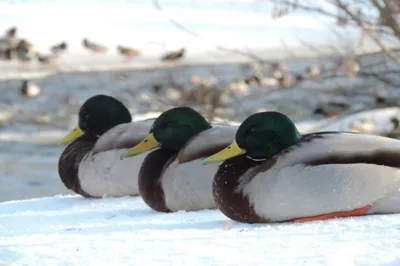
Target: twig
{"points": [[369, 32]]}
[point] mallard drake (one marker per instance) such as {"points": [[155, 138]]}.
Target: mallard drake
{"points": [[272, 173], [91, 165], [172, 177]]}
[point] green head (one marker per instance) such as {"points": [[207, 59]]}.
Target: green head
{"points": [[97, 115], [265, 134], [172, 130], [260, 136]]}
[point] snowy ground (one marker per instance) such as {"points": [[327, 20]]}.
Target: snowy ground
{"points": [[71, 230]]}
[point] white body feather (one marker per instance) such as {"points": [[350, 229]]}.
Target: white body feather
{"points": [[188, 186], [102, 173], [290, 189]]}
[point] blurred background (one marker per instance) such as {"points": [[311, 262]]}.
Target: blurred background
{"points": [[328, 64]]}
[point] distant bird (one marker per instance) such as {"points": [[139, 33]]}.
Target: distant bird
{"points": [[25, 50], [394, 133], [330, 109], [30, 89], [380, 99], [313, 71], [157, 88], [58, 48], [46, 59], [299, 77], [278, 69], [127, 51], [351, 67], [286, 81], [9, 54], [174, 56], [11, 32], [252, 80], [238, 86], [197, 80], [395, 122], [94, 47]]}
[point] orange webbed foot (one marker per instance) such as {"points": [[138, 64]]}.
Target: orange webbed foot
{"points": [[339, 214]]}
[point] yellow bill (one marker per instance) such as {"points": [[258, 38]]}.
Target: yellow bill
{"points": [[149, 143], [231, 151], [73, 135]]}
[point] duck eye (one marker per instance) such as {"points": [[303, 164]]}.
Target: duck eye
{"points": [[84, 116], [164, 125], [252, 130]]}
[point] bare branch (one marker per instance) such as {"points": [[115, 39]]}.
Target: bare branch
{"points": [[387, 12], [369, 32]]}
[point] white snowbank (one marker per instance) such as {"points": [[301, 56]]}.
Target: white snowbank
{"points": [[71, 230]]}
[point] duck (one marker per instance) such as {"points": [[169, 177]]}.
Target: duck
{"points": [[172, 177], [30, 89], [286, 81], [46, 59], [174, 56], [58, 48], [9, 54], [91, 164], [25, 50], [351, 67], [313, 71], [94, 47], [331, 109], [127, 51], [273, 173], [395, 131], [252, 80], [11, 32]]}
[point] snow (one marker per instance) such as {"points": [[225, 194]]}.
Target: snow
{"points": [[72, 230]]}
